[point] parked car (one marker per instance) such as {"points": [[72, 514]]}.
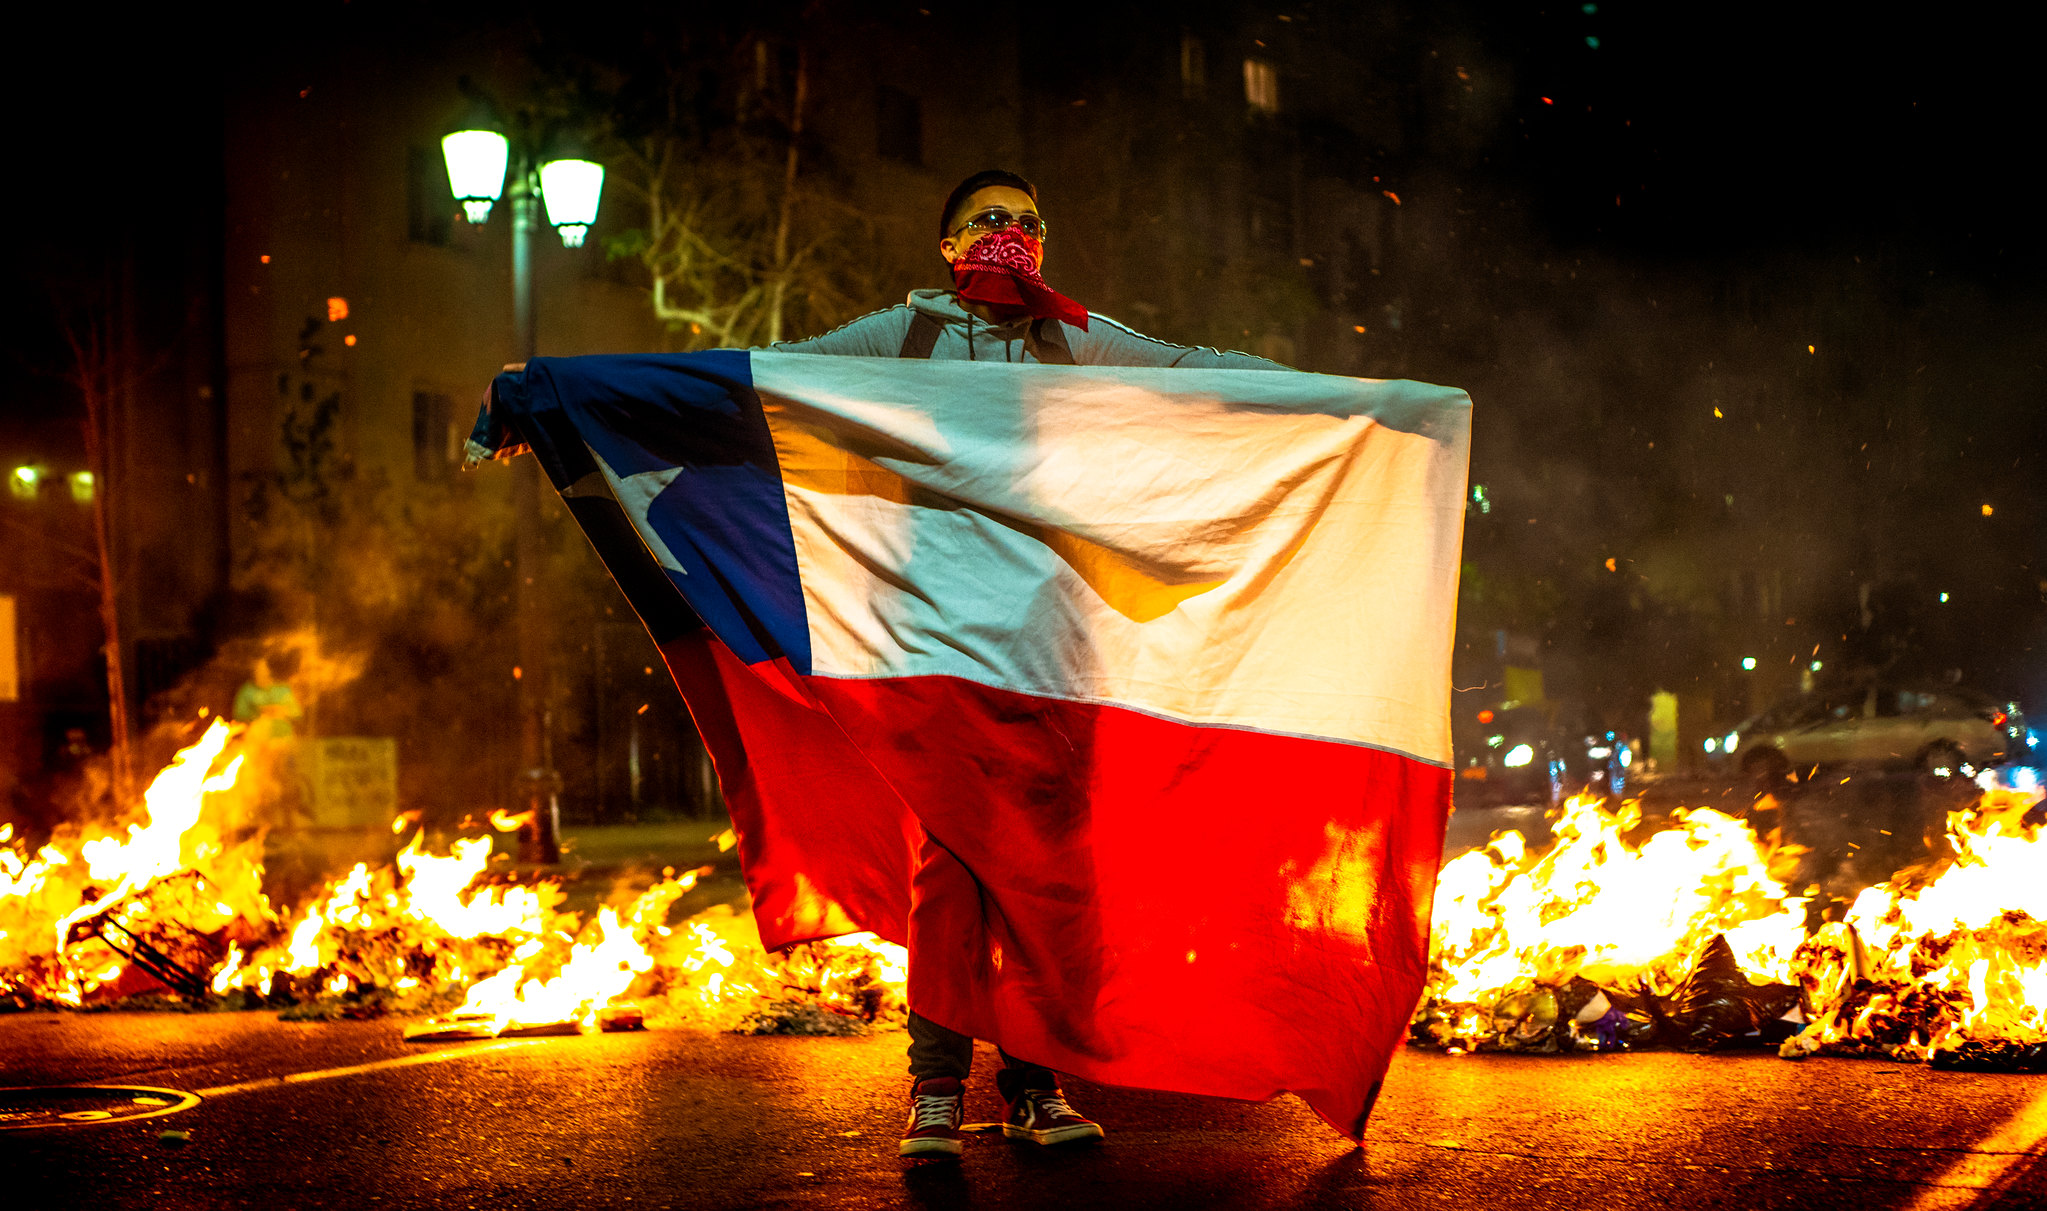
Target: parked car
{"points": [[1512, 756], [1522, 755], [1944, 731]]}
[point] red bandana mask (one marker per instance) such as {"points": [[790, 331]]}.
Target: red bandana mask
{"points": [[1001, 270]]}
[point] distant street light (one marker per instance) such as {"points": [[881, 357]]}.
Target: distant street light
{"points": [[478, 161]]}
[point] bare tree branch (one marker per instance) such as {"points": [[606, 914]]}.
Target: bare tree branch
{"points": [[742, 244]]}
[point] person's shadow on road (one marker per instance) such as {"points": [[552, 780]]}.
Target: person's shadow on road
{"points": [[937, 1187]]}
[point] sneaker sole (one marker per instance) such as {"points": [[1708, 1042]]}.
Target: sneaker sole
{"points": [[1054, 1135], [932, 1149]]}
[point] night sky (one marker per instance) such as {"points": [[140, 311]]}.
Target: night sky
{"points": [[1729, 130]]}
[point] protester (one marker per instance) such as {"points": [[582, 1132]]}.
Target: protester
{"points": [[993, 657], [999, 309]]}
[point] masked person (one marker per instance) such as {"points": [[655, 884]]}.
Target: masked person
{"points": [[999, 309]]}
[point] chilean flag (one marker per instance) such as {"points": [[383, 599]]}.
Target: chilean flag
{"points": [[1118, 695]]}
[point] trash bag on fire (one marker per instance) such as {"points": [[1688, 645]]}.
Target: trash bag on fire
{"points": [[1607, 1019], [1525, 1019], [1537, 1018], [1544, 1019], [1717, 1007]]}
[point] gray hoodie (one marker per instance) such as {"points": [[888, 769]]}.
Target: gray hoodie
{"points": [[964, 337]]}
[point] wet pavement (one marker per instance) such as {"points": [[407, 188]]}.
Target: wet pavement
{"points": [[345, 1114]]}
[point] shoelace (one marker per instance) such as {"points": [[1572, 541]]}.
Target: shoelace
{"points": [[1052, 1105], [934, 1110]]}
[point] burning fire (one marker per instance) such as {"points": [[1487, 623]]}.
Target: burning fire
{"points": [[1690, 936], [1600, 909], [1686, 935], [176, 899], [1956, 967]]}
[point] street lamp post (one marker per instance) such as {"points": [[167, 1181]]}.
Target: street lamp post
{"points": [[477, 160]]}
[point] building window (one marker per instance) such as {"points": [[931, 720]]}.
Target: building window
{"points": [[1261, 86], [436, 442], [1193, 67], [898, 126], [429, 200]]}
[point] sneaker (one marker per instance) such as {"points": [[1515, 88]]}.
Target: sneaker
{"points": [[936, 1107], [1041, 1114]]}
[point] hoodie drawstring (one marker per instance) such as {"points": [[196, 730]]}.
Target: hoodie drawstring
{"points": [[1008, 345]]}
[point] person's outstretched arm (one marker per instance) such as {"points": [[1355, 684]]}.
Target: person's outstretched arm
{"points": [[876, 334], [1108, 343]]}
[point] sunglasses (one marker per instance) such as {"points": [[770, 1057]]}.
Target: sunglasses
{"points": [[993, 220]]}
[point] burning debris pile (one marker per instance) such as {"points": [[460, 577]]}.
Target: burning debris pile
{"points": [[1953, 970], [1690, 938], [176, 900], [1687, 936]]}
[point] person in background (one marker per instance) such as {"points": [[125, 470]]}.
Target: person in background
{"points": [[270, 710]]}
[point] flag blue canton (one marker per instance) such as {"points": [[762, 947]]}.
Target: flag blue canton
{"points": [[678, 445]]}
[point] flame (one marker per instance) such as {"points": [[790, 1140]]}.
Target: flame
{"points": [[1949, 960], [88, 880], [435, 886], [1913, 972], [224, 979], [1600, 908], [596, 972], [424, 930], [1949, 964]]}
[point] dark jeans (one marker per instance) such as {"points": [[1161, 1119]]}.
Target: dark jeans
{"points": [[936, 1051]]}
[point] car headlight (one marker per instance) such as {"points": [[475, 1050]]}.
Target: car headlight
{"points": [[1727, 745], [1518, 756]]}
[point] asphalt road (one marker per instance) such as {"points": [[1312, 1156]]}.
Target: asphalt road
{"points": [[693, 1119]]}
